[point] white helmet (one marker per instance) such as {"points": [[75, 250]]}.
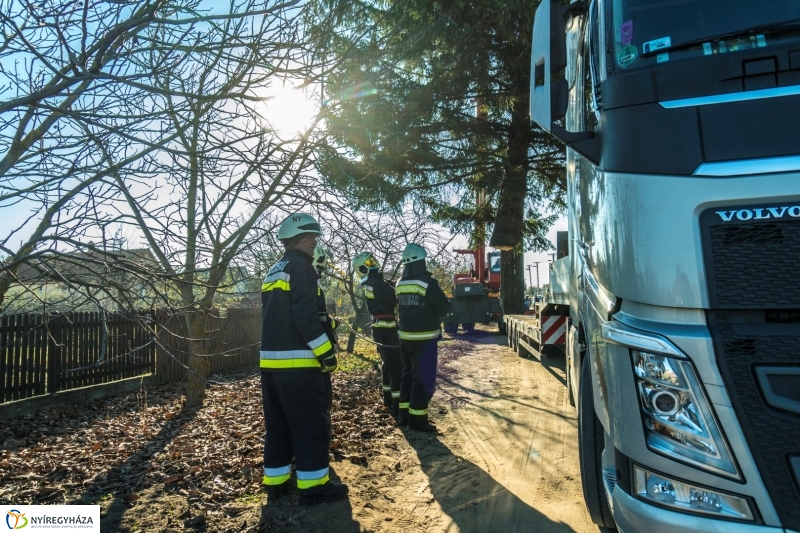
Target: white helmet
{"points": [[413, 252], [297, 224], [320, 257], [364, 262]]}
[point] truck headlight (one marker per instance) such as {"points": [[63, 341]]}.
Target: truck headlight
{"points": [[677, 417], [688, 498]]}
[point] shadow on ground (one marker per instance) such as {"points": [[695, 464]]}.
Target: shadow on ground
{"points": [[471, 498]]}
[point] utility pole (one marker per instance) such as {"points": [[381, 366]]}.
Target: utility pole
{"points": [[536, 264], [552, 257], [530, 281]]}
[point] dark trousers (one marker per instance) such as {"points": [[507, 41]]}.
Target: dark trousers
{"points": [[297, 423], [391, 367], [419, 374]]}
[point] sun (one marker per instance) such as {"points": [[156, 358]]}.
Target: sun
{"points": [[290, 110]]}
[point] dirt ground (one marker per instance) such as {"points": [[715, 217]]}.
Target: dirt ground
{"points": [[505, 458]]}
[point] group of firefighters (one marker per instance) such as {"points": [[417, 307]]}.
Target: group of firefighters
{"points": [[298, 354]]}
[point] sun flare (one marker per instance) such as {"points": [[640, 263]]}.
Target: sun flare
{"points": [[290, 110]]}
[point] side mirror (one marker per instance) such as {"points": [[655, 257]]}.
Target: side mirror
{"points": [[548, 99]]}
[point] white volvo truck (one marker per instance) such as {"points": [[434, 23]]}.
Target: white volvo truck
{"points": [[682, 125]]}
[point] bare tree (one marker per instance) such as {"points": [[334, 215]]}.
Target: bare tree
{"points": [[207, 189]]}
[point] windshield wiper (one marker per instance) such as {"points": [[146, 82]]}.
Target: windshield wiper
{"points": [[774, 26]]}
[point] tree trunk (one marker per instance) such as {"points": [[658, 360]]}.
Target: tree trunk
{"points": [[512, 282], [509, 221], [199, 363]]}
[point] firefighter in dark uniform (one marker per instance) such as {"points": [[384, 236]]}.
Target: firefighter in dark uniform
{"points": [[421, 304], [381, 304], [295, 353], [329, 324]]}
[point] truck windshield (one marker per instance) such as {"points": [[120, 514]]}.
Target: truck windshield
{"points": [[641, 33]]}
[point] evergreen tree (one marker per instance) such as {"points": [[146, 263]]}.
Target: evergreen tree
{"points": [[430, 99]]}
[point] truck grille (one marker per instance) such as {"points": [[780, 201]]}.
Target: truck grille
{"points": [[760, 363], [752, 264]]}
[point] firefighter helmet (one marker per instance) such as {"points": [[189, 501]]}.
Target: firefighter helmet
{"points": [[297, 224], [364, 262], [413, 252]]}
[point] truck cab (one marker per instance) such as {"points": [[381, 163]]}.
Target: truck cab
{"points": [[683, 183]]}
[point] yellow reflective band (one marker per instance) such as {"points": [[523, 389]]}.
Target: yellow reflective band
{"points": [[283, 364], [385, 324], [275, 480], [417, 412], [306, 480], [387, 387], [403, 405], [411, 289], [395, 394], [418, 335], [279, 285], [368, 292], [325, 347]]}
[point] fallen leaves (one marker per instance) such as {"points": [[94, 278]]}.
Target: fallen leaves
{"points": [[122, 445]]}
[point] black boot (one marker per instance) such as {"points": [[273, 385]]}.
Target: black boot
{"points": [[420, 423], [395, 408], [402, 419], [387, 399], [329, 492]]}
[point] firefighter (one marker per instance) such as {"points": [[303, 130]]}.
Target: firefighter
{"points": [[421, 304], [295, 353], [329, 324], [381, 304]]}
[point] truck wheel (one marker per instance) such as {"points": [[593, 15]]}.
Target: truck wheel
{"points": [[591, 441], [521, 350], [501, 327], [450, 328], [468, 328]]}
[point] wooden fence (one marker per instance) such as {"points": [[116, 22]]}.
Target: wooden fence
{"points": [[44, 354]]}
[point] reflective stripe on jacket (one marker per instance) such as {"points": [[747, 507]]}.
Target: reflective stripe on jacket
{"points": [[381, 300], [292, 336], [420, 304]]}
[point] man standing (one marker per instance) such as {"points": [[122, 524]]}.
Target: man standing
{"points": [[295, 352], [381, 304], [421, 303]]}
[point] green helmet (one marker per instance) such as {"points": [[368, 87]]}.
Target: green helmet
{"points": [[297, 224], [364, 262], [320, 257], [413, 252]]}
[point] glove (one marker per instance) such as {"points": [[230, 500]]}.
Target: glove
{"points": [[328, 361]]}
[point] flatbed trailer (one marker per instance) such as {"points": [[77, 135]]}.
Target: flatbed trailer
{"points": [[535, 335]]}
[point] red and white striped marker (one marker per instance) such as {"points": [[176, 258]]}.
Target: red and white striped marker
{"points": [[554, 329]]}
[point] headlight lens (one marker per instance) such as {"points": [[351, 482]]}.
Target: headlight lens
{"points": [[678, 420], [686, 497]]}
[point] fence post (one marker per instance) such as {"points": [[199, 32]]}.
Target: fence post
{"points": [[54, 326]]}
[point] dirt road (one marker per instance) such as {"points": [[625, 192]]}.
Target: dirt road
{"points": [[506, 459]]}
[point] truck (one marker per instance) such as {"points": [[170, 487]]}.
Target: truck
{"points": [[475, 294], [683, 207]]}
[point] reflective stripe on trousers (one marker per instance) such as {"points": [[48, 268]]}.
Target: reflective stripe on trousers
{"points": [[277, 476], [306, 480]]}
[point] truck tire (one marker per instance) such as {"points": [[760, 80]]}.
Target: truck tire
{"points": [[450, 328], [591, 441], [501, 327], [468, 328]]}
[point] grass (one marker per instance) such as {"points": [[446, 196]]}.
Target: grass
{"points": [[364, 357]]}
